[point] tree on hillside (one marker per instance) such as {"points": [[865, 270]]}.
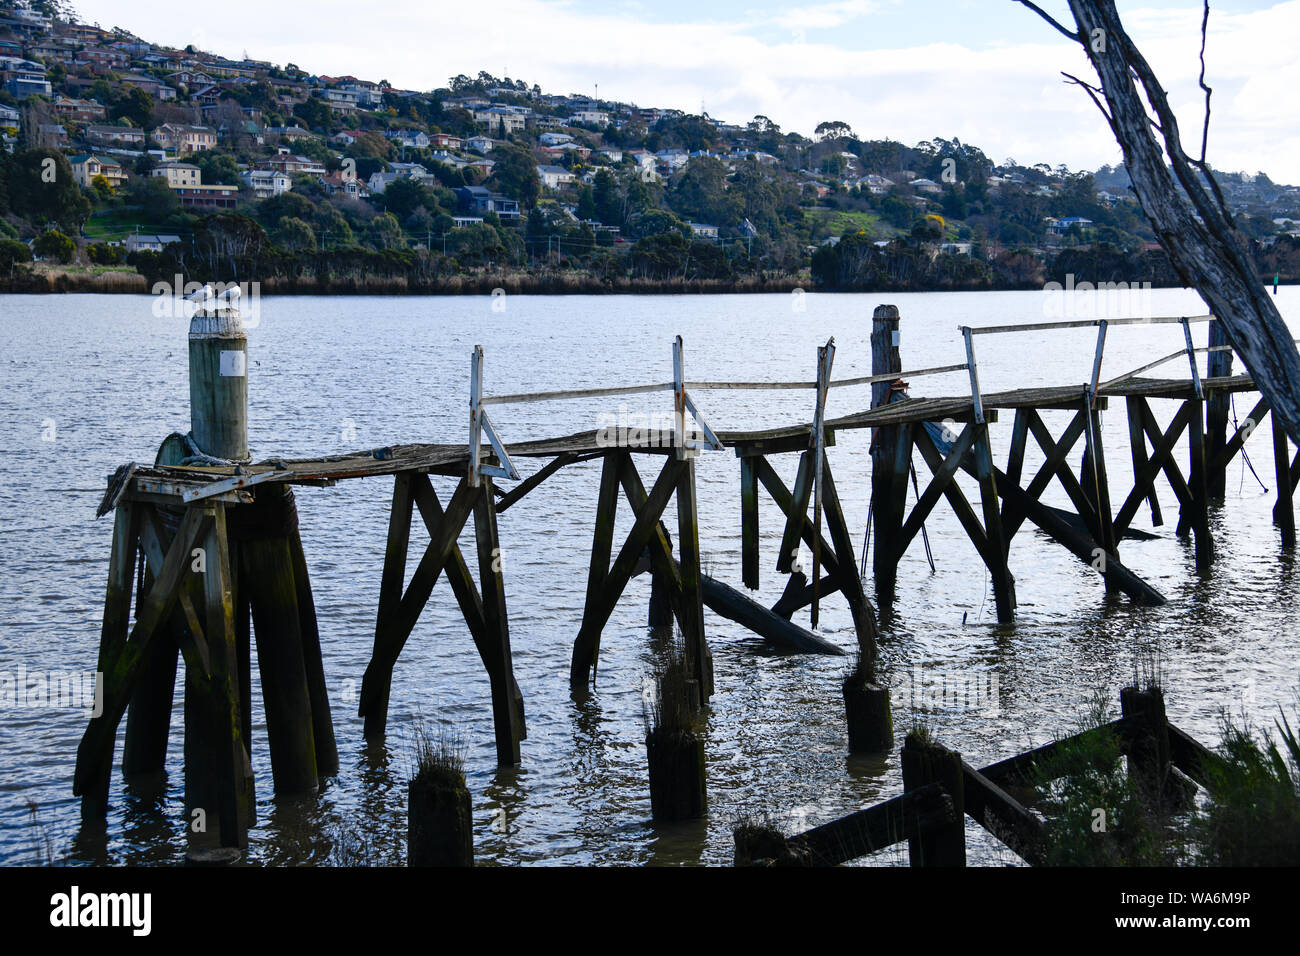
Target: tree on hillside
{"points": [[833, 129], [516, 175], [42, 189]]}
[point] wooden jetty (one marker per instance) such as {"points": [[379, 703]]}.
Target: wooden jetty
{"points": [[940, 789], [221, 557]]}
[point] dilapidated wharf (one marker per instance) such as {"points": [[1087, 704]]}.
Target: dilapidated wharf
{"points": [[207, 540]]}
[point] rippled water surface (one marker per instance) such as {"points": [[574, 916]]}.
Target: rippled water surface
{"points": [[106, 381]]}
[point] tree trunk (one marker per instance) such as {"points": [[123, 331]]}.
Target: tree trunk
{"points": [[1209, 252]]}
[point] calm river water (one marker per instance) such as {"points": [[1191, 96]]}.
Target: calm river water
{"points": [[90, 382]]}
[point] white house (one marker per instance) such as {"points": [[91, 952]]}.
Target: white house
{"points": [[702, 231], [266, 183], [554, 176], [137, 242]]}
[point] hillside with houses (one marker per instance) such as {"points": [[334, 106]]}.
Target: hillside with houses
{"points": [[122, 155]]}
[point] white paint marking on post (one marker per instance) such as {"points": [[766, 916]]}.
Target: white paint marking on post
{"points": [[234, 363]]}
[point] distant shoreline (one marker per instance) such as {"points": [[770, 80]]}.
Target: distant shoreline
{"points": [[130, 283]]}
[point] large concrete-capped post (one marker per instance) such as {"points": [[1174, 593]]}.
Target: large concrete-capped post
{"points": [[219, 381]]}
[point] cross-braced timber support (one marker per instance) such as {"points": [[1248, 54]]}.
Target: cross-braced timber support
{"points": [[484, 612]]}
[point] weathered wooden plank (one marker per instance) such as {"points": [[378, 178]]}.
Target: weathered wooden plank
{"points": [[327, 753], [796, 515], [699, 665], [1138, 448], [1284, 510], [956, 498], [994, 809], [645, 526], [846, 573], [934, 490], [506, 718], [1004, 587], [749, 524], [121, 669], [778, 492], [876, 828], [1199, 486]]}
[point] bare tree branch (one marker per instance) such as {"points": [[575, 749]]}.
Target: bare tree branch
{"points": [[1205, 129], [1185, 207], [1094, 92], [1048, 17]]}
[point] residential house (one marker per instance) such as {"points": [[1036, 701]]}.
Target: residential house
{"points": [[340, 100], [612, 154], [125, 136], [266, 183], [448, 141], [184, 139], [501, 120], [193, 79], [178, 174], [1059, 227], [554, 139], [151, 85], [956, 248], [79, 111], [292, 164], [928, 186], [876, 185], [483, 144], [22, 78], [408, 138], [102, 57], [553, 177], [345, 137], [86, 168], [673, 159], [478, 200], [290, 134], [336, 183], [590, 118], [141, 242], [207, 197], [700, 230]]}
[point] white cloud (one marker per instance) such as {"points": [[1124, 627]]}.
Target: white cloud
{"points": [[1010, 99]]}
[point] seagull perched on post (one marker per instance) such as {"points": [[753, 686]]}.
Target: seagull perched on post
{"points": [[202, 296], [229, 300]]}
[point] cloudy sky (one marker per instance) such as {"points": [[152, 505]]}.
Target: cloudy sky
{"points": [[984, 71]]}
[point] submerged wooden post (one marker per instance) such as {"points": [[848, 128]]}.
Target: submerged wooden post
{"points": [[926, 762], [891, 455], [439, 818], [1200, 498], [661, 590], [674, 750], [1218, 365], [699, 662], [267, 583], [1150, 764], [1284, 510]]}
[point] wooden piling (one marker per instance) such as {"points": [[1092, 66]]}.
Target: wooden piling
{"points": [[219, 383], [699, 662], [661, 590], [749, 523], [1150, 761], [268, 583], [674, 750], [1284, 510], [1197, 484], [925, 762], [867, 712], [439, 820], [891, 457], [1217, 407]]}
